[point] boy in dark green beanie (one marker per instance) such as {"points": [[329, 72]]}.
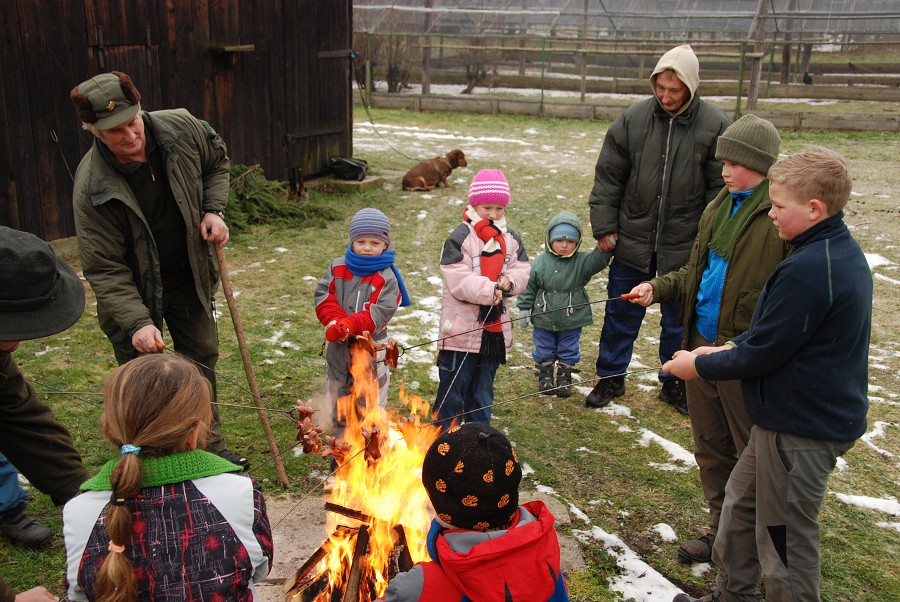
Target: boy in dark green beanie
{"points": [[736, 249]]}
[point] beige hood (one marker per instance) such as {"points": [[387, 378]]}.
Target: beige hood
{"points": [[684, 63]]}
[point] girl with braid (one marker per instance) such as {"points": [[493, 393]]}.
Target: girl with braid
{"points": [[482, 263], [165, 521]]}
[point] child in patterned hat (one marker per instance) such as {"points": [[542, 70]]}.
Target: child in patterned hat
{"points": [[359, 293], [482, 263], [483, 544]]}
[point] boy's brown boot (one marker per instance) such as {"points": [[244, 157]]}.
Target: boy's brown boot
{"points": [[545, 377], [697, 550], [564, 379]]}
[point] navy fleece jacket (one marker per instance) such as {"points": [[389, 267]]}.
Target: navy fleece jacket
{"points": [[804, 359]]}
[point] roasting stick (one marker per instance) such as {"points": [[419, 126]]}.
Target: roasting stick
{"points": [[248, 367], [622, 297]]}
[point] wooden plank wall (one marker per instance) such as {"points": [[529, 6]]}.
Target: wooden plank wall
{"points": [[285, 104]]}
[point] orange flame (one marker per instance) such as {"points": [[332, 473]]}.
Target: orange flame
{"points": [[389, 489]]}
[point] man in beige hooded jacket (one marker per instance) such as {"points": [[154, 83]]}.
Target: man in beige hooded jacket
{"points": [[656, 173]]}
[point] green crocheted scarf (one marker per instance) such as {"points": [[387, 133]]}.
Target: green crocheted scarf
{"points": [[194, 464]]}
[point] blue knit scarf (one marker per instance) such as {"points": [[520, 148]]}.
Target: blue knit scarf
{"points": [[366, 265]]}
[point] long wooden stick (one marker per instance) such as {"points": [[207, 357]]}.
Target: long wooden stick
{"points": [[248, 367]]}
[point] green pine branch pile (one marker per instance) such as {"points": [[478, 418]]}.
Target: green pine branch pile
{"points": [[254, 199]]}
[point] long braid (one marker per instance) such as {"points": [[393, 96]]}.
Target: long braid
{"points": [[152, 405]]}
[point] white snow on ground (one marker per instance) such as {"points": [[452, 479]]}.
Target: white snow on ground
{"points": [[878, 432], [665, 532], [876, 260], [682, 459], [888, 505], [895, 526], [886, 279], [638, 581]]}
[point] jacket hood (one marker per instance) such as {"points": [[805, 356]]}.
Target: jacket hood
{"points": [[500, 562], [684, 63], [564, 217]]}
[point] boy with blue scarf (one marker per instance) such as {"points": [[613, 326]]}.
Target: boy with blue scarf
{"points": [[359, 293]]}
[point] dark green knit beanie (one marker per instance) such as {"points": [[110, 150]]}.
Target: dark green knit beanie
{"points": [[751, 142]]}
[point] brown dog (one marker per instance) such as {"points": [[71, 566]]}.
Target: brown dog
{"points": [[429, 173]]}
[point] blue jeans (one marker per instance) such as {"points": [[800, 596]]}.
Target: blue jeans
{"points": [[623, 322], [466, 389], [11, 493], [550, 346]]}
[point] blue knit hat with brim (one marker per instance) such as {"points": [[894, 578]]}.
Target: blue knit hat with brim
{"points": [[564, 232], [370, 223]]}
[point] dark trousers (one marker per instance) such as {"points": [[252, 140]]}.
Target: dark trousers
{"points": [[194, 335], [466, 389], [622, 323]]}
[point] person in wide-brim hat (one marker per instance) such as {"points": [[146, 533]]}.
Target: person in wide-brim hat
{"points": [[40, 294]]}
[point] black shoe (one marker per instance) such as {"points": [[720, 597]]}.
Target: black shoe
{"points": [[232, 457], [673, 392], [545, 378], [18, 527], [604, 391], [687, 598]]}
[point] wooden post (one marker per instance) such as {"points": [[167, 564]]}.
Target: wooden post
{"points": [[757, 33], [426, 51], [248, 367]]}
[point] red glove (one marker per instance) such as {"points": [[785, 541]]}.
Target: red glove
{"points": [[337, 331]]}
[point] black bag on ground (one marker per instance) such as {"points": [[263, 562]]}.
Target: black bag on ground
{"points": [[348, 169]]}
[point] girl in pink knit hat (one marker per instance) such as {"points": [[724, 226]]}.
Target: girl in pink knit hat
{"points": [[483, 262]]}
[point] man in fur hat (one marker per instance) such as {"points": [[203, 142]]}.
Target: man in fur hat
{"points": [[149, 201]]}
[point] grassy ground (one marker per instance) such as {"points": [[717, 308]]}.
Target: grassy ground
{"points": [[604, 463]]}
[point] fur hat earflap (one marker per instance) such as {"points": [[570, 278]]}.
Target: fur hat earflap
{"points": [[107, 100]]}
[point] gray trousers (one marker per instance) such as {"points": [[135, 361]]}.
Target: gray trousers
{"points": [[721, 430], [770, 518]]}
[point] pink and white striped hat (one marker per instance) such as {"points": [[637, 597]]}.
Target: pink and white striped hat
{"points": [[489, 187]]}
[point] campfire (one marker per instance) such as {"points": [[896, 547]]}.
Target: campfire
{"points": [[378, 509]]}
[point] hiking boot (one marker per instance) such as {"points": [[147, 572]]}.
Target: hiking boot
{"points": [[564, 379], [18, 527], [545, 377], [604, 391], [673, 392], [687, 598], [697, 550], [234, 458]]}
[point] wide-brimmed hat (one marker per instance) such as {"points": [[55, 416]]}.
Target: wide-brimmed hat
{"points": [[40, 294]]}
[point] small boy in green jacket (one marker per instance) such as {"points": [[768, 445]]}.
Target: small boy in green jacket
{"points": [[556, 303]]}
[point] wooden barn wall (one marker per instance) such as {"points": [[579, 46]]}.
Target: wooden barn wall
{"points": [[285, 105]]}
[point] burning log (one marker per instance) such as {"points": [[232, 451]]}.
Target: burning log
{"points": [[356, 583], [357, 573], [348, 512]]}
